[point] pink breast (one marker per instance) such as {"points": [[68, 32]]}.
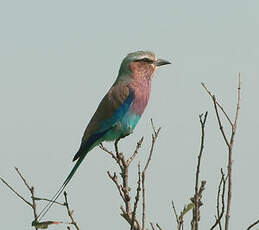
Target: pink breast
{"points": [[141, 93]]}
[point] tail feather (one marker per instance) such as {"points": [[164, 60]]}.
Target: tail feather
{"points": [[80, 155], [61, 189]]}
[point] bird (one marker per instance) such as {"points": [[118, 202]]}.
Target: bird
{"points": [[120, 109]]}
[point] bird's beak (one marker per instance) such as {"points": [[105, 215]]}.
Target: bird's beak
{"points": [[160, 62]]}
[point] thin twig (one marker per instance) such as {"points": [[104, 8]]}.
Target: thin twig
{"points": [[34, 204], [220, 214], [175, 213], [234, 127], [197, 195], [154, 138], [152, 226], [219, 121], [178, 220], [253, 224], [218, 218], [23, 179], [69, 212], [158, 226], [153, 126], [116, 147], [31, 189], [107, 151], [136, 198], [128, 218], [114, 178], [12, 189], [229, 143], [48, 200], [238, 101], [136, 150], [218, 104]]}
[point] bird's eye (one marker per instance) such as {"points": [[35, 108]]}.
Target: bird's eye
{"points": [[145, 60]]}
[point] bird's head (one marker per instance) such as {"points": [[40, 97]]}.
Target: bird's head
{"points": [[140, 64]]}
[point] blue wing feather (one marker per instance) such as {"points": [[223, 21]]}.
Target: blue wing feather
{"points": [[119, 113]]}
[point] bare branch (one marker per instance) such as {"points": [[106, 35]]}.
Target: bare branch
{"points": [[234, 127], [197, 194], [107, 151], [158, 226], [70, 212], [154, 138], [253, 224], [179, 220], [153, 126], [31, 189], [116, 147], [219, 121], [48, 200], [34, 204], [229, 143], [152, 226], [238, 101], [220, 214], [128, 218], [136, 150], [23, 179], [218, 104], [114, 178], [175, 213], [136, 198], [12, 189]]}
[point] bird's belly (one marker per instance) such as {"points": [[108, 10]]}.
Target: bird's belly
{"points": [[123, 127]]}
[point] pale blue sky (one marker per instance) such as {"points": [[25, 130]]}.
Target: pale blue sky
{"points": [[58, 58]]}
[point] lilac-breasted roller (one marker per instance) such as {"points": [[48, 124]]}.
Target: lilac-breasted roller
{"points": [[120, 109]]}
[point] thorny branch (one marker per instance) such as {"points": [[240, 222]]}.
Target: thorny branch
{"points": [[229, 141], [122, 184]]}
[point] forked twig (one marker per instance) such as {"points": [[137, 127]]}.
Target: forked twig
{"points": [[123, 188], [198, 192], [229, 142]]}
